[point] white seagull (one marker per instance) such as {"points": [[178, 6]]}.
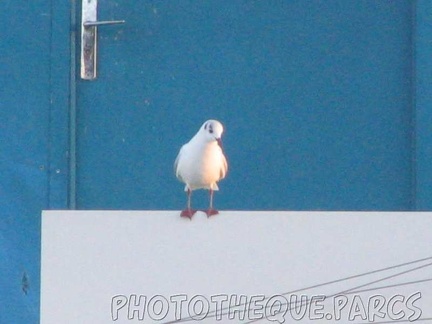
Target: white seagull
{"points": [[201, 163]]}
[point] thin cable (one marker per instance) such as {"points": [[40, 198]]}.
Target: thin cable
{"points": [[402, 321], [212, 313], [358, 291], [389, 286], [348, 290], [358, 275], [385, 278]]}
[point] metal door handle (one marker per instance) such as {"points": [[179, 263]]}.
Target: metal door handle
{"points": [[101, 23], [89, 26]]}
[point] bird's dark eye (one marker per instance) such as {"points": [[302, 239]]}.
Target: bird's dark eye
{"points": [[205, 126], [210, 129]]}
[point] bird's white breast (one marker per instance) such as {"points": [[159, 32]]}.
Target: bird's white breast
{"points": [[200, 166]]}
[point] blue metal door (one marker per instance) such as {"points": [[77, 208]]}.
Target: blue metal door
{"points": [[316, 98]]}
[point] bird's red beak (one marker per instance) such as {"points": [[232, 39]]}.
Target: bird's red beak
{"points": [[219, 141]]}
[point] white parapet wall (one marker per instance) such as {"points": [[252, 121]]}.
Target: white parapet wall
{"points": [[236, 267]]}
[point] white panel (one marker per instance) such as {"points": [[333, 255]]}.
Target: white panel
{"points": [[89, 257]]}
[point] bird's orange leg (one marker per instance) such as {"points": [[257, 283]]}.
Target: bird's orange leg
{"points": [[211, 211], [188, 212]]}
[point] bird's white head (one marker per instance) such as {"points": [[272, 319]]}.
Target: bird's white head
{"points": [[212, 130]]}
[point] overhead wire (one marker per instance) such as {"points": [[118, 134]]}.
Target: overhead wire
{"points": [[213, 313]]}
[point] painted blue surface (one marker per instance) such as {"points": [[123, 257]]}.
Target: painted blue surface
{"points": [[316, 98], [24, 109], [423, 105], [325, 103], [34, 92]]}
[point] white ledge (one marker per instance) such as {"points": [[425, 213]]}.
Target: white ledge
{"points": [[89, 257]]}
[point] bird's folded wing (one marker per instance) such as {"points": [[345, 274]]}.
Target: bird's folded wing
{"points": [[224, 168], [176, 163]]}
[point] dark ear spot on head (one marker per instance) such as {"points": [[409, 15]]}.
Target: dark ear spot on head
{"points": [[205, 126]]}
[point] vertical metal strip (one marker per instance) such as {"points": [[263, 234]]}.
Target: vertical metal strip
{"points": [[72, 201], [88, 40], [413, 106]]}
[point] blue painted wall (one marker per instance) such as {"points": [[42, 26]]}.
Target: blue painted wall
{"points": [[325, 103], [423, 106], [316, 98], [34, 103]]}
